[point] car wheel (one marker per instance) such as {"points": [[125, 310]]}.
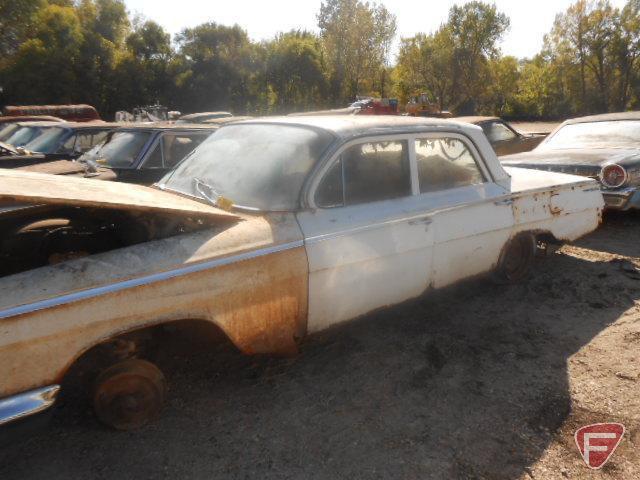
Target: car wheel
{"points": [[129, 394], [516, 259]]}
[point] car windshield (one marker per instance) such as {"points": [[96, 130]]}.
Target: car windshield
{"points": [[23, 135], [119, 150], [48, 141], [618, 133], [7, 131], [255, 166]]}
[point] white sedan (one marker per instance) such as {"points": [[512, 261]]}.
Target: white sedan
{"points": [[270, 230]]}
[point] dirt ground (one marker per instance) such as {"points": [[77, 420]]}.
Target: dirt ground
{"points": [[535, 127], [477, 381]]}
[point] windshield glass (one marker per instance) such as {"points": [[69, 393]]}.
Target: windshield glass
{"points": [[620, 133], [259, 166], [119, 150], [23, 136], [47, 142], [7, 131]]}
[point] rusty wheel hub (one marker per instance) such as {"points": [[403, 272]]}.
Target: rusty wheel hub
{"points": [[129, 394]]}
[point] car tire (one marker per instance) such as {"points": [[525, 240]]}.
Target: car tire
{"points": [[516, 259], [129, 394]]}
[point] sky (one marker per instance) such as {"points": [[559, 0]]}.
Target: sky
{"points": [[262, 19]]}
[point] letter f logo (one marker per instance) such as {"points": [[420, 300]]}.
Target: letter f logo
{"points": [[597, 442]]}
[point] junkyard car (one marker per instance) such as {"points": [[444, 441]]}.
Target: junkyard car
{"points": [[143, 154], [270, 230], [52, 141], [604, 147], [503, 137]]}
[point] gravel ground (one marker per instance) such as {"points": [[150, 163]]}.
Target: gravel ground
{"points": [[477, 381]]}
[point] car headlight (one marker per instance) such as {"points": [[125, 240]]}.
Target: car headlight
{"points": [[613, 175]]}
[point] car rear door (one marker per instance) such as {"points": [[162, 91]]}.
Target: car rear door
{"points": [[369, 238], [472, 214]]}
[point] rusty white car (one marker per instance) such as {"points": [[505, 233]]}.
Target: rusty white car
{"points": [[270, 230]]}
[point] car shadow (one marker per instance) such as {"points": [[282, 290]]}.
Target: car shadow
{"points": [[467, 382]]}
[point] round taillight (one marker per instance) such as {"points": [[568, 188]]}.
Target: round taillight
{"points": [[613, 175]]}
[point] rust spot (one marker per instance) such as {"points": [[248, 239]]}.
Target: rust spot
{"points": [[260, 304]]}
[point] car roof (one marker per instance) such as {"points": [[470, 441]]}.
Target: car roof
{"points": [[202, 114], [168, 126], [357, 125], [70, 125], [606, 117], [29, 118], [476, 119]]}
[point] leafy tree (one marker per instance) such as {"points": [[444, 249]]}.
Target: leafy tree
{"points": [[454, 63], [356, 38], [475, 28], [219, 62], [42, 70], [16, 19], [295, 71], [425, 64]]}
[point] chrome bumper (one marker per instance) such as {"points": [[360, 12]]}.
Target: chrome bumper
{"points": [[25, 404], [622, 199]]}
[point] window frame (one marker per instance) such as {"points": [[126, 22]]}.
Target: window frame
{"points": [[158, 139], [411, 139], [505, 125], [484, 171]]}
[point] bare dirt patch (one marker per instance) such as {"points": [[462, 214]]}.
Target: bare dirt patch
{"points": [[477, 381]]}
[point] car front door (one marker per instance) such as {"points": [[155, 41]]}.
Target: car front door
{"points": [[472, 215], [368, 237]]}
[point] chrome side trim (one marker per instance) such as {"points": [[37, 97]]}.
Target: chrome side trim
{"points": [[26, 404], [145, 280], [15, 208]]}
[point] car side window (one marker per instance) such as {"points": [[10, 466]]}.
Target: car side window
{"points": [[68, 145], [498, 132], [84, 142], [365, 173], [172, 148], [177, 146], [445, 163], [98, 137], [154, 159]]}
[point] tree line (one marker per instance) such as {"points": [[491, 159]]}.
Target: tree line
{"points": [[94, 51]]}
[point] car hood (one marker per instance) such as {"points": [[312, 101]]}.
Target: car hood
{"points": [[55, 167], [24, 187]]}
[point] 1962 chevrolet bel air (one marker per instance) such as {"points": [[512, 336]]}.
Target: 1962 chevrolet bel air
{"points": [[270, 230]]}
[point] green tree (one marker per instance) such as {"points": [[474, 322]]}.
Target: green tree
{"points": [[476, 28], [16, 19], [455, 63], [356, 37], [425, 64], [219, 63], [43, 68], [295, 71]]}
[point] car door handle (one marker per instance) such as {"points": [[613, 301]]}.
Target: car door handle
{"points": [[504, 201], [421, 221]]}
